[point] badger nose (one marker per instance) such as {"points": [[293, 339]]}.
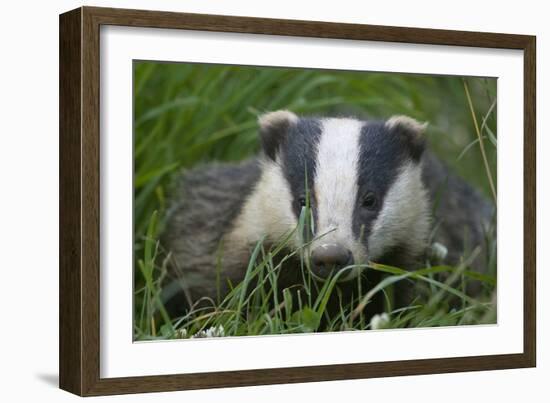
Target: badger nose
{"points": [[328, 257]]}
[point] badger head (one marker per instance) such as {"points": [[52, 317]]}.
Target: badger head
{"points": [[362, 179]]}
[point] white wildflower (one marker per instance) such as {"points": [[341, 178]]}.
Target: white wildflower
{"points": [[380, 321], [214, 331], [438, 251], [181, 333]]}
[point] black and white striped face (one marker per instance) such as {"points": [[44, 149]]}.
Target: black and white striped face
{"points": [[364, 180]]}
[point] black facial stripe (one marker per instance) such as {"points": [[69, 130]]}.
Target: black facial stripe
{"points": [[299, 155], [381, 155]]}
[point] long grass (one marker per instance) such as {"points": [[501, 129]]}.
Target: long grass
{"points": [[188, 114], [254, 307]]}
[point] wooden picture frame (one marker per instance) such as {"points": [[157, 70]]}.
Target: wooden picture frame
{"points": [[80, 199]]}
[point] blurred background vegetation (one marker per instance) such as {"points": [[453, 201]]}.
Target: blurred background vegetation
{"points": [[186, 114]]}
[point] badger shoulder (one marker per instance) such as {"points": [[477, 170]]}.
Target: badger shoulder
{"points": [[462, 216], [205, 202]]}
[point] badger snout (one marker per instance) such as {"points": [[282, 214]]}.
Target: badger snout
{"points": [[328, 257]]}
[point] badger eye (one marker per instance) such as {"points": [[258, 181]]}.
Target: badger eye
{"points": [[302, 201], [370, 202]]}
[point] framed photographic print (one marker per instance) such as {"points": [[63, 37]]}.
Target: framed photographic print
{"points": [[249, 201]]}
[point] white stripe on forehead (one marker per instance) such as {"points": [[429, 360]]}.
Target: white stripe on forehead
{"points": [[335, 184]]}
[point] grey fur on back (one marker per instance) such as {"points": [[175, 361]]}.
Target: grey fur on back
{"points": [[205, 202], [462, 215]]}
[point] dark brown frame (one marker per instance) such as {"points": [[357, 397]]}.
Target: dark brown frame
{"points": [[79, 200]]}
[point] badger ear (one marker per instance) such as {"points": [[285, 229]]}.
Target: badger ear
{"points": [[274, 127], [411, 132]]}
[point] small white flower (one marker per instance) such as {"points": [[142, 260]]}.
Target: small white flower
{"points": [[438, 251], [214, 331], [380, 321], [181, 333]]}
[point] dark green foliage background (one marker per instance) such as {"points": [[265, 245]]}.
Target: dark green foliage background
{"points": [[185, 114]]}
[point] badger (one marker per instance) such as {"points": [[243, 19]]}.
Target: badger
{"points": [[371, 187]]}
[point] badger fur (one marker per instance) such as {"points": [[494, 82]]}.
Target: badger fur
{"points": [[373, 186]]}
